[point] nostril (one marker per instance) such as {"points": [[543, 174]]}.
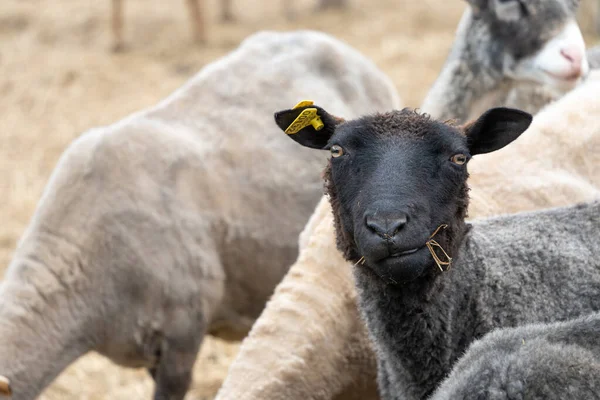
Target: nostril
{"points": [[566, 55], [573, 55], [398, 224], [386, 227], [376, 225]]}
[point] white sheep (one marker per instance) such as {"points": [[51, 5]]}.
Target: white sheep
{"points": [[331, 355], [178, 220]]}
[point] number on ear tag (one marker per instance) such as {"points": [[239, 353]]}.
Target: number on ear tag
{"points": [[307, 117]]}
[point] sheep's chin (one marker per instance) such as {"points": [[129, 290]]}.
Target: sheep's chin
{"points": [[404, 268]]}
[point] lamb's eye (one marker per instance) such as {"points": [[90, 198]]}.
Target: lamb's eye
{"points": [[459, 159], [336, 151]]}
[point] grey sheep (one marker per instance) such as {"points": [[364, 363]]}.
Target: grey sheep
{"points": [[428, 282], [554, 361], [178, 220], [505, 49]]}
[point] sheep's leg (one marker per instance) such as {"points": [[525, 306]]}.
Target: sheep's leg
{"points": [[226, 13], [197, 20], [173, 373], [117, 25]]}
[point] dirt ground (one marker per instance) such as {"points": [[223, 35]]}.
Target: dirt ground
{"points": [[58, 78]]}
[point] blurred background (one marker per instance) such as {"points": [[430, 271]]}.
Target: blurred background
{"points": [[60, 77]]}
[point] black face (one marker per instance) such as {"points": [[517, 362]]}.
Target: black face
{"points": [[395, 178], [395, 187]]}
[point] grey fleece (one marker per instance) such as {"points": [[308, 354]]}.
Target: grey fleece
{"points": [[539, 266], [556, 361]]}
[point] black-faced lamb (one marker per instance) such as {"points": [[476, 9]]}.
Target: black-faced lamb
{"points": [[290, 353], [178, 220], [555, 361], [428, 282]]}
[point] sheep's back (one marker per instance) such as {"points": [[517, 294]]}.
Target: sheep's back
{"points": [[537, 266], [204, 184], [554, 163]]}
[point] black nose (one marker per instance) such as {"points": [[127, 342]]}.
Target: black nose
{"points": [[386, 225]]}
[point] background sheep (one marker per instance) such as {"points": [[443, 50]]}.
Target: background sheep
{"points": [[392, 181], [159, 228], [498, 45], [534, 361], [196, 11]]}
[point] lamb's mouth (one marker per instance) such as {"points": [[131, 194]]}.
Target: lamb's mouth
{"points": [[405, 252], [567, 79]]}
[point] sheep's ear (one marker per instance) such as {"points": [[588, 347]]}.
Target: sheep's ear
{"points": [[307, 124], [495, 129]]}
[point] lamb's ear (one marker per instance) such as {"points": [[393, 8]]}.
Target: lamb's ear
{"points": [[307, 124], [496, 128]]}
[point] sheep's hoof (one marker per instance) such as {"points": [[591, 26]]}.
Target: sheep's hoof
{"points": [[5, 389]]}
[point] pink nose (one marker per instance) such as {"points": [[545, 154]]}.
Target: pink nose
{"points": [[575, 57]]}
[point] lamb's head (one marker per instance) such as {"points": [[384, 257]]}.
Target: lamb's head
{"points": [[393, 179], [534, 40]]}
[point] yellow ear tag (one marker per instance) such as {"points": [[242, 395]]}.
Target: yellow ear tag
{"points": [[307, 117]]}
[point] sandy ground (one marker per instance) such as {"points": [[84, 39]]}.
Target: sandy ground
{"points": [[58, 78]]}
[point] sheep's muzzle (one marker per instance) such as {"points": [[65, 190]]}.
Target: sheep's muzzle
{"points": [[5, 386]]}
